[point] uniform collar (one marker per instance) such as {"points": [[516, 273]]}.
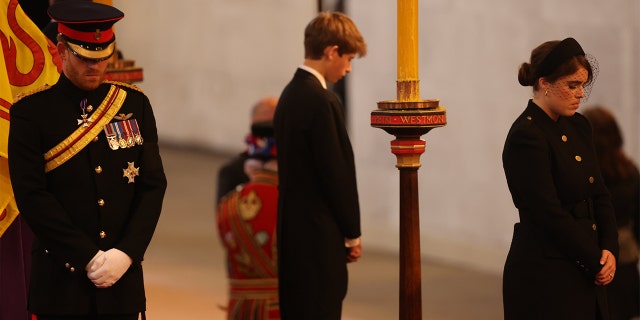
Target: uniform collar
{"points": [[76, 94]]}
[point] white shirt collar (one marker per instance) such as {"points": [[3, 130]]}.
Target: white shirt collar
{"points": [[316, 74]]}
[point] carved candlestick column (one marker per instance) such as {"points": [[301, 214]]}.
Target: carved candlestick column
{"points": [[408, 118]]}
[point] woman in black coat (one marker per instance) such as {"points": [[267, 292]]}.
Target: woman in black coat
{"points": [[564, 248]]}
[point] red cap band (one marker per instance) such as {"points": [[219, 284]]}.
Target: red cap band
{"points": [[97, 36]]}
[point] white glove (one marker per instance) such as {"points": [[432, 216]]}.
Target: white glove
{"points": [[96, 262], [111, 266]]}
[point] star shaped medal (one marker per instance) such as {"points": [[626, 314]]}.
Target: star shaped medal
{"points": [[130, 172]]}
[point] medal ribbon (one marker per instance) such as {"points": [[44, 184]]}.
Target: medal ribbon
{"points": [[130, 136], [136, 132], [82, 136]]}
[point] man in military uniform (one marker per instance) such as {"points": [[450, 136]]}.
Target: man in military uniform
{"points": [[87, 176]]}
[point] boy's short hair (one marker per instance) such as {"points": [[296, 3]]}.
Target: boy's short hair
{"points": [[332, 28]]}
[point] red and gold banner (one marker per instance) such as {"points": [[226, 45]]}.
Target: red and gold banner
{"points": [[28, 60]]}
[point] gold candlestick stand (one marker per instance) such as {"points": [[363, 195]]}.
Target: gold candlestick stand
{"points": [[408, 118]]}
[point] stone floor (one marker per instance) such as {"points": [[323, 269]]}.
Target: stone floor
{"points": [[185, 275]]}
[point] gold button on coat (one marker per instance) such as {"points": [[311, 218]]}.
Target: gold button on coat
{"points": [[594, 227], [578, 158], [101, 202], [72, 269], [103, 234], [529, 118], [592, 180], [67, 265], [95, 139], [564, 138], [98, 169]]}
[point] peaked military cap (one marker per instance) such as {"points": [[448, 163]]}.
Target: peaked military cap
{"points": [[87, 27]]}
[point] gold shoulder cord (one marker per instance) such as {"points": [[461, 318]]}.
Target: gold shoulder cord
{"points": [[21, 95], [80, 138], [124, 84]]}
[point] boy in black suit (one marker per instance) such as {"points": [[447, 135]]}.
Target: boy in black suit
{"points": [[318, 212]]}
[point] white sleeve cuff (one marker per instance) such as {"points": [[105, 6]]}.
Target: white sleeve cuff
{"points": [[351, 242]]}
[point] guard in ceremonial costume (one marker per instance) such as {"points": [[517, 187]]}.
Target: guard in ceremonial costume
{"points": [[247, 227], [87, 176]]}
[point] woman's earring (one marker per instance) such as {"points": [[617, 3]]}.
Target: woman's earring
{"points": [[546, 92]]}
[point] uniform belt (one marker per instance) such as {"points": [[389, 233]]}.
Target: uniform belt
{"points": [[583, 209], [253, 288]]}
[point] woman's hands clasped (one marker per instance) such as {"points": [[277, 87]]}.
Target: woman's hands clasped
{"points": [[608, 271]]}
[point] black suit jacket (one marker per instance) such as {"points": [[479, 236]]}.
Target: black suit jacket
{"points": [[566, 219], [318, 199], [86, 204]]}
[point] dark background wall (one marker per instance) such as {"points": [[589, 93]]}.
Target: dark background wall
{"points": [[36, 10]]}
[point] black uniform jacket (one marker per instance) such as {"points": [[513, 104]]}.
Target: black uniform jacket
{"points": [[318, 199], [566, 219], [85, 204]]}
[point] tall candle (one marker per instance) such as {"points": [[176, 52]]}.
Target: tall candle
{"points": [[408, 81]]}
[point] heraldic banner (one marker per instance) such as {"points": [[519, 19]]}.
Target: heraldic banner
{"points": [[28, 61]]}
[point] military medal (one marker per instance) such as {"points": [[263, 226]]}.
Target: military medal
{"points": [[111, 137], [128, 133], [123, 134], [121, 139], [136, 132], [86, 119], [130, 172]]}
